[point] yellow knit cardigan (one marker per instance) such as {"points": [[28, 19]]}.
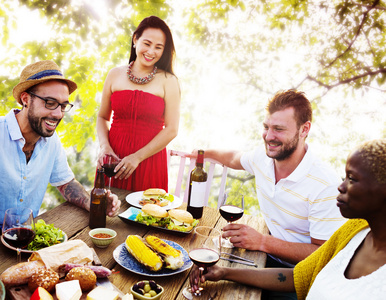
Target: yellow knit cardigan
{"points": [[306, 270]]}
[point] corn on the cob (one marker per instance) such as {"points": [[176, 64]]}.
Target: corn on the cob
{"points": [[172, 257], [161, 247], [143, 253]]}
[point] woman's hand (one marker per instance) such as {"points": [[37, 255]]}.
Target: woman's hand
{"points": [[127, 166], [102, 152], [214, 273]]}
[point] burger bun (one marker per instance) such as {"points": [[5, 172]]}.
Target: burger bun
{"points": [[149, 193], [155, 210], [181, 215]]}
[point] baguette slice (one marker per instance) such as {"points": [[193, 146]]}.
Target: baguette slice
{"points": [[142, 253]]}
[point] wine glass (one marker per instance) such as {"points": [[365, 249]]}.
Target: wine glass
{"points": [[204, 251], [232, 209], [18, 228], [109, 164]]}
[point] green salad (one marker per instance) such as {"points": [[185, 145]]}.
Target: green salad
{"points": [[45, 235]]}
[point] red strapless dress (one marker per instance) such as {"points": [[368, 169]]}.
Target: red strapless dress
{"points": [[137, 118]]}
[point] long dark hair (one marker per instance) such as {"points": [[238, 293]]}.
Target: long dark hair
{"points": [[166, 61]]}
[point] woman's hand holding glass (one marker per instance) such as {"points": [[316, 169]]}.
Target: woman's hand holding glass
{"points": [[204, 251]]}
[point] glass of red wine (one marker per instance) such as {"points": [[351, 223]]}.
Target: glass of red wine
{"points": [[232, 209], [18, 228], [204, 251], [109, 164]]}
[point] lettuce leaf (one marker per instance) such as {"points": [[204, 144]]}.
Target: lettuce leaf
{"points": [[45, 235]]}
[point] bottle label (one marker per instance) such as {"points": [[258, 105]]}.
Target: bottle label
{"points": [[197, 195]]}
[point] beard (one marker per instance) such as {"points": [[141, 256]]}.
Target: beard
{"points": [[287, 150], [36, 124]]}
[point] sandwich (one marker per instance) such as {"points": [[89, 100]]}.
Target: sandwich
{"points": [[152, 214], [181, 220], [156, 196]]}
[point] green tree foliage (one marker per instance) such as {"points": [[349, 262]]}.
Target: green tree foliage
{"points": [[336, 44], [341, 41]]}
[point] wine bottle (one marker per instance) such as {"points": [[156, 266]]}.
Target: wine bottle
{"points": [[98, 203], [197, 187]]}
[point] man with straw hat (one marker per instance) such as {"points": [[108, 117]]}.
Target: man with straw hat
{"points": [[31, 155]]}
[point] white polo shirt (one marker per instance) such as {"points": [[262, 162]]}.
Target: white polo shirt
{"points": [[301, 206]]}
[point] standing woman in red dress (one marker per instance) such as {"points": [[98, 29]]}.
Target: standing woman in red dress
{"points": [[144, 99]]}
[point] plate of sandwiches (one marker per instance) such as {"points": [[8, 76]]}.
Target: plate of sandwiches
{"points": [[173, 220], [154, 196]]}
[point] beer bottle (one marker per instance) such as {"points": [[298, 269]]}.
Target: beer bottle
{"points": [[98, 201], [197, 187]]}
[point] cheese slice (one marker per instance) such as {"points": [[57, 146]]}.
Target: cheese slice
{"points": [[68, 290], [101, 293]]}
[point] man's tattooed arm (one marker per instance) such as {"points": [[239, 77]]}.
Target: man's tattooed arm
{"points": [[75, 193]]}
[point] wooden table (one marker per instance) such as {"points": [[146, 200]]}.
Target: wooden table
{"points": [[74, 222]]}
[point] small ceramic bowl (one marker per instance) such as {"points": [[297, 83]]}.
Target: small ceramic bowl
{"points": [[142, 297], [102, 242]]}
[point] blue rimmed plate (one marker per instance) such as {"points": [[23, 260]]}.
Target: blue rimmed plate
{"points": [[127, 261]]}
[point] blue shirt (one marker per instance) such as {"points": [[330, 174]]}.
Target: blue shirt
{"points": [[24, 184]]}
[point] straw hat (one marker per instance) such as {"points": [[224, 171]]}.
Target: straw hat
{"points": [[40, 72]]}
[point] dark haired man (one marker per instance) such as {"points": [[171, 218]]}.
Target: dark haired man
{"points": [[31, 155]]}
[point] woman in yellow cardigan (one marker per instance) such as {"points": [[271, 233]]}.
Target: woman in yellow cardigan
{"points": [[352, 263]]}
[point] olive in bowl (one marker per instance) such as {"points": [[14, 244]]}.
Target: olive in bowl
{"points": [[147, 289], [102, 237]]}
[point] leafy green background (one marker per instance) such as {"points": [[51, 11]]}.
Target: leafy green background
{"points": [[242, 51]]}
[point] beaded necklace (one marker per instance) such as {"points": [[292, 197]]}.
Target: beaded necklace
{"points": [[142, 80]]}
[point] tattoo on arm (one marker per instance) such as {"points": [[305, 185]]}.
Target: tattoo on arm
{"points": [[75, 193], [282, 277]]}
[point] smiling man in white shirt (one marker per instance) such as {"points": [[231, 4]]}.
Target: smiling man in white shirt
{"points": [[296, 190]]}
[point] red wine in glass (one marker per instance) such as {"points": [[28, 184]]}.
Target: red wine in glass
{"points": [[109, 169], [204, 251], [109, 164], [204, 257], [18, 228], [231, 213], [19, 237], [232, 209]]}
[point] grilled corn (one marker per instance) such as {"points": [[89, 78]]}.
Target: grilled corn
{"points": [[172, 257], [143, 253]]}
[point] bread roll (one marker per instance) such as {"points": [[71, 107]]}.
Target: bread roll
{"points": [[87, 278], [20, 273], [155, 210], [44, 278], [153, 193], [181, 215]]}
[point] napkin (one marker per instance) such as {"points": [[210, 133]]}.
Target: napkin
{"points": [[74, 252]]}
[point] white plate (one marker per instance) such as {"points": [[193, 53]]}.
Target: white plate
{"points": [[25, 250], [134, 198], [127, 261]]}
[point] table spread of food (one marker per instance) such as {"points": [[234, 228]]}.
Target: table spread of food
{"points": [[70, 270], [61, 267]]}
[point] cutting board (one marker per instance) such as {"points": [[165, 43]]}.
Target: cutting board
{"points": [[23, 293]]}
